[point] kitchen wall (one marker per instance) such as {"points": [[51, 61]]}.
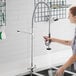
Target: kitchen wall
{"points": [[15, 50]]}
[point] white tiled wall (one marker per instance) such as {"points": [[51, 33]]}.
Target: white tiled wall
{"points": [[15, 50]]}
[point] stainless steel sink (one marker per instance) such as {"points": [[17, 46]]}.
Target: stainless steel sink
{"points": [[68, 72], [52, 71]]}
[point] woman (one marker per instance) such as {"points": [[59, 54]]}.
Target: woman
{"points": [[72, 59]]}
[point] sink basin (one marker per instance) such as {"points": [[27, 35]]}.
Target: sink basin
{"points": [[29, 75], [34, 74], [71, 68], [52, 71], [68, 72]]}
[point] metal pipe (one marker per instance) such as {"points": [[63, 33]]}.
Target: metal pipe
{"points": [[32, 29]]}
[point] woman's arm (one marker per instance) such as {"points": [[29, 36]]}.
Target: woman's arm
{"points": [[65, 42], [70, 61]]}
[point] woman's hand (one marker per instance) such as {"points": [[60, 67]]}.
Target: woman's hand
{"points": [[49, 39], [46, 38], [60, 71]]}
